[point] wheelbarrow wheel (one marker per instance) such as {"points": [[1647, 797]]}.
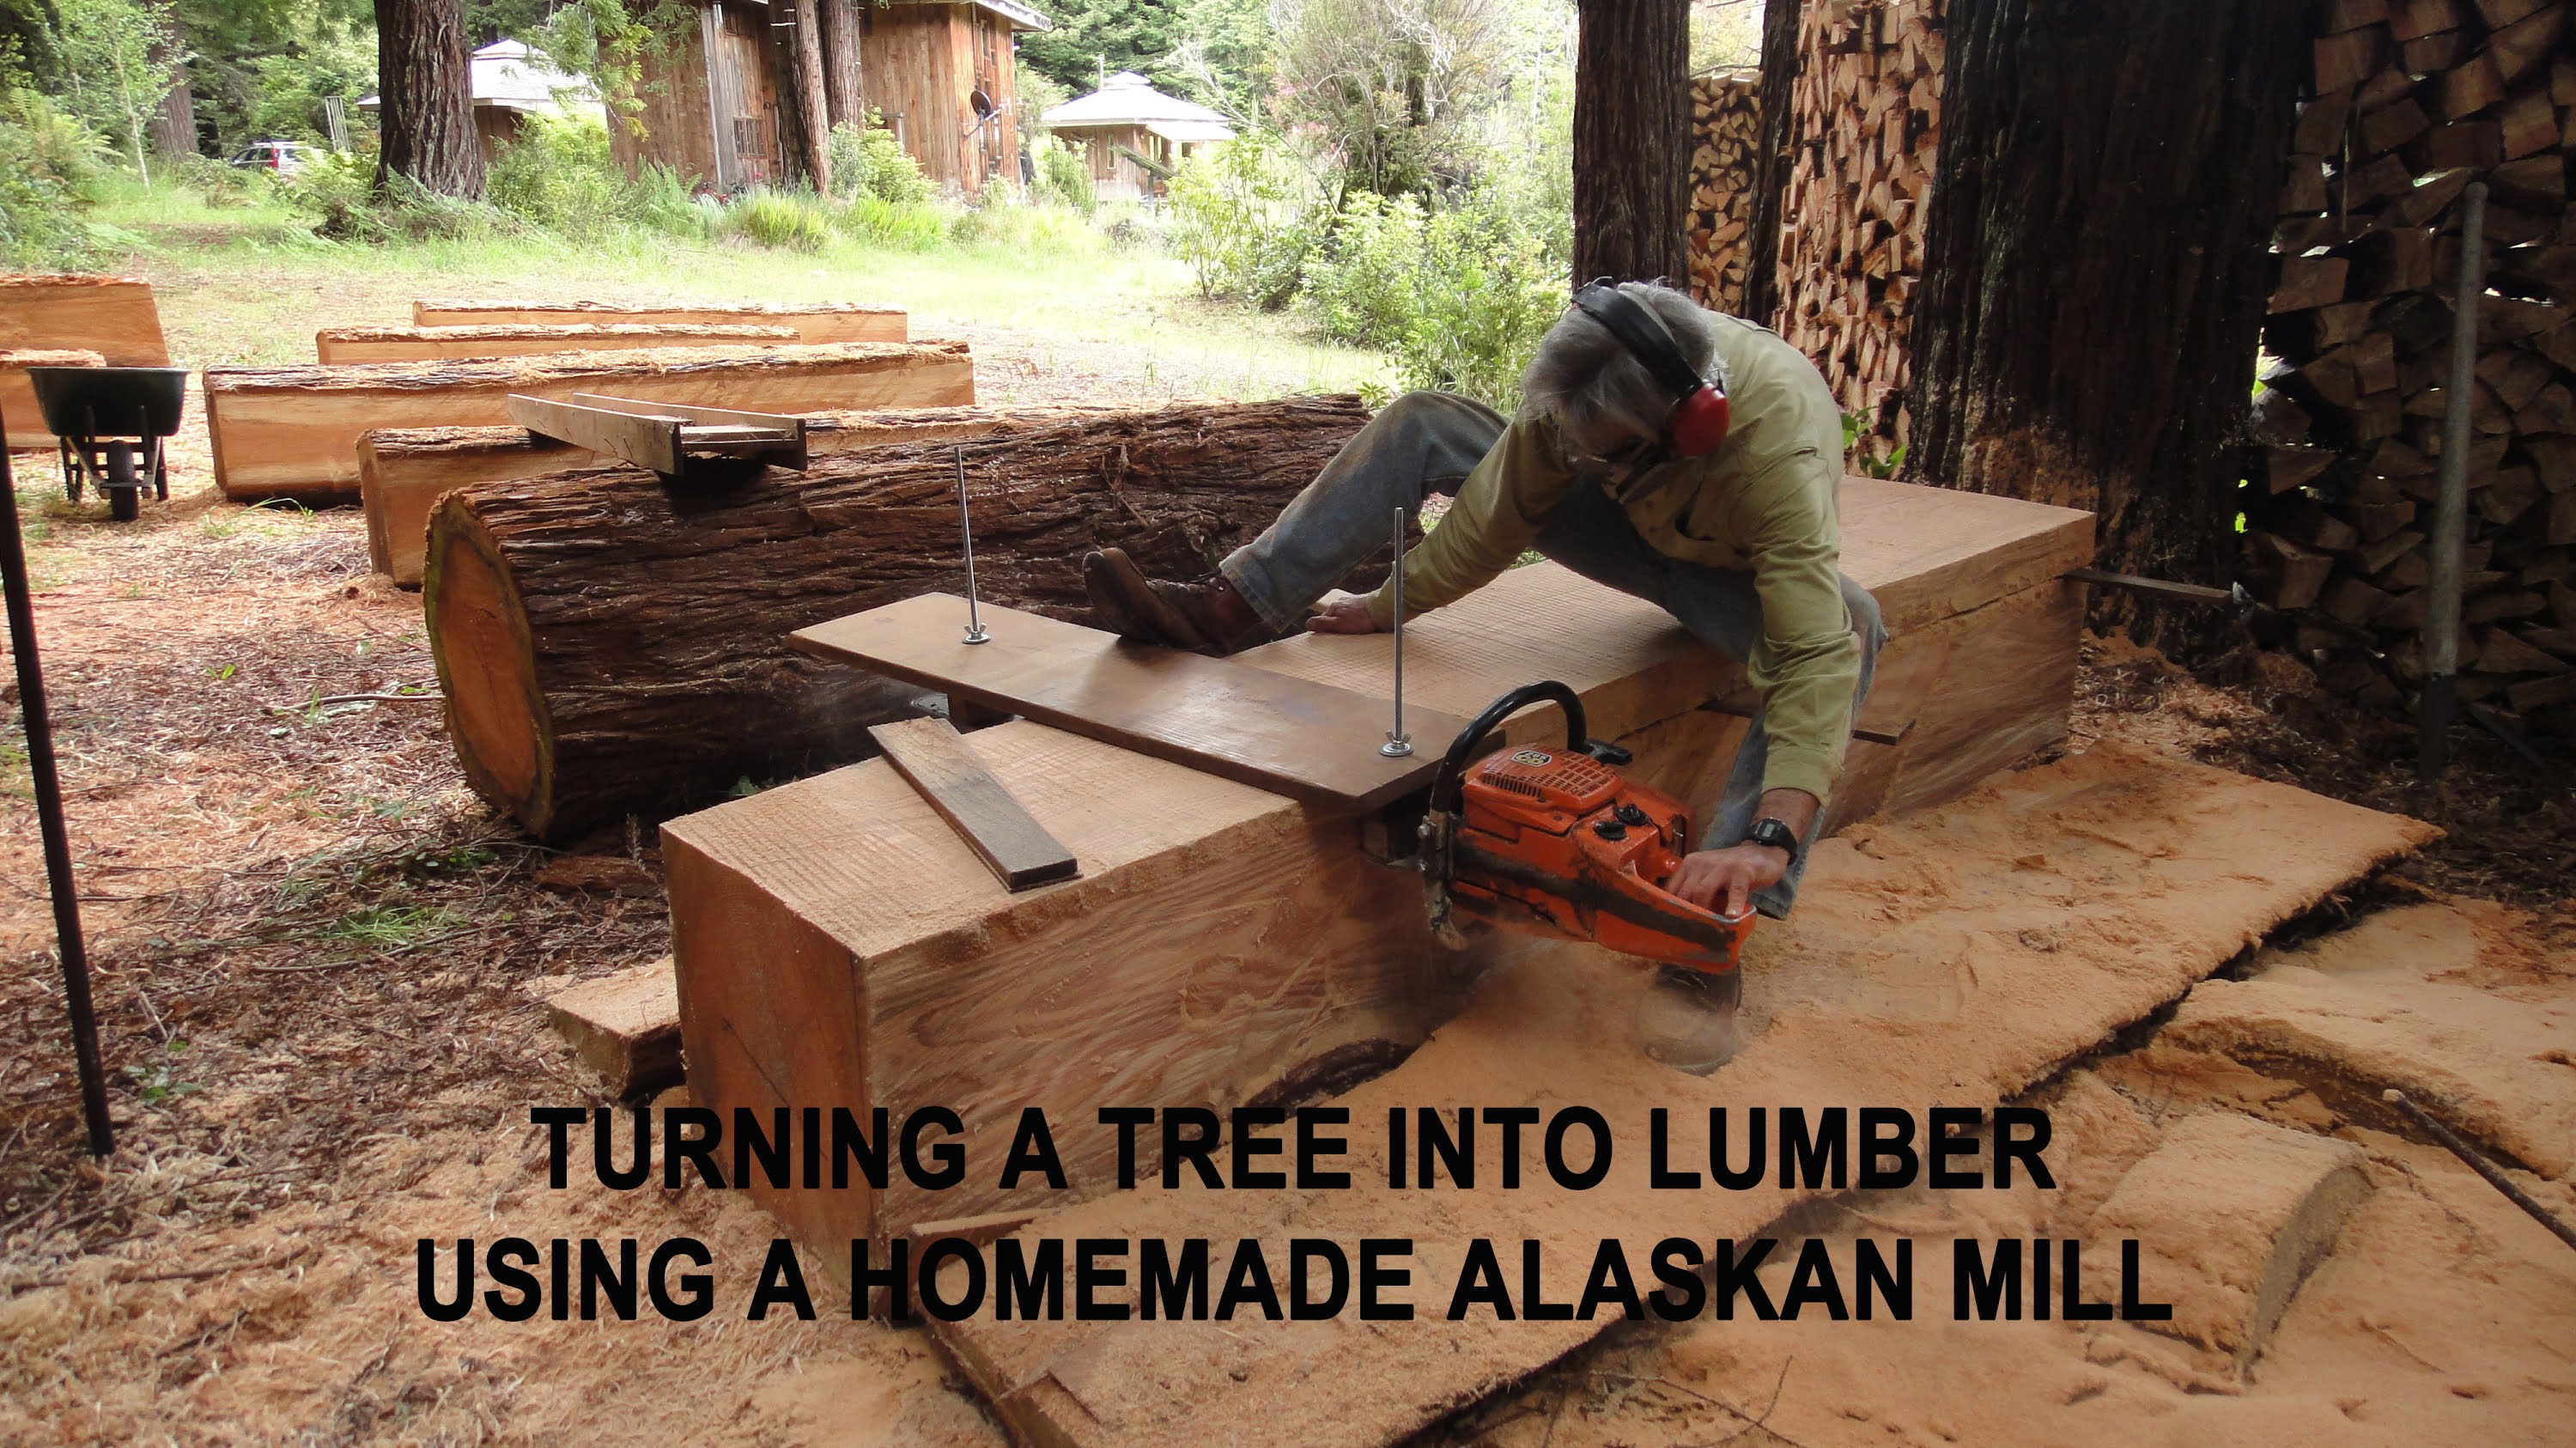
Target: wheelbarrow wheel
{"points": [[124, 504], [124, 490]]}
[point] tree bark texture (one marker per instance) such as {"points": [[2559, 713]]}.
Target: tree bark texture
{"points": [[803, 116], [1632, 140], [1770, 178], [844, 91], [608, 645], [174, 125], [428, 108], [2096, 270]]}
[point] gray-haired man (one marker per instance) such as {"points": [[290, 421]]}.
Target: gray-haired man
{"points": [[1740, 544]]}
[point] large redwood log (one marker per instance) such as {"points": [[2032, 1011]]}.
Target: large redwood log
{"points": [[293, 432], [608, 646], [404, 471]]}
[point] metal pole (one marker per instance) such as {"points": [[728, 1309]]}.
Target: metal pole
{"points": [[2479, 1164], [2440, 703], [966, 524], [1398, 744], [49, 816]]}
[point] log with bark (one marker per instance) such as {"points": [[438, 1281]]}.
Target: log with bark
{"points": [[610, 646], [813, 321], [403, 472], [337, 346], [293, 431]]}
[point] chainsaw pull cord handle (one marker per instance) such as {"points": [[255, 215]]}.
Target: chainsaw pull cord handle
{"points": [[1448, 786]]}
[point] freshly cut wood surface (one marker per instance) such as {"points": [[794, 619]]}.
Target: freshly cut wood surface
{"points": [[1921, 969], [608, 645], [626, 1026], [112, 316], [293, 431], [18, 410], [1312, 742], [815, 322], [339, 345], [403, 472], [943, 765]]}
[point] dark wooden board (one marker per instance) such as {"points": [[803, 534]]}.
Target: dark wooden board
{"points": [[1316, 743], [942, 765]]}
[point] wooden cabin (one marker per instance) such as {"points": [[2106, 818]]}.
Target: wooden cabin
{"points": [[1134, 136], [942, 74]]}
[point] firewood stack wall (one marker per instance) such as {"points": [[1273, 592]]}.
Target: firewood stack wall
{"points": [[2411, 100], [1867, 130], [1725, 119]]}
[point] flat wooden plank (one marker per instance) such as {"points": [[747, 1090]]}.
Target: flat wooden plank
{"points": [[942, 765], [1890, 985], [338, 346], [1312, 742]]}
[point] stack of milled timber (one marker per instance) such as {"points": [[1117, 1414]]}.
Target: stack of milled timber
{"points": [[293, 432], [1725, 119], [2412, 100], [64, 320], [1866, 122]]}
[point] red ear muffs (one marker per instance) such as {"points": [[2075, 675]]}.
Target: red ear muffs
{"points": [[1698, 420]]}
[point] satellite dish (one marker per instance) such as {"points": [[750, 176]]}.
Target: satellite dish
{"points": [[983, 105]]}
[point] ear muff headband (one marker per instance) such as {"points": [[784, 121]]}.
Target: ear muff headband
{"points": [[1699, 418]]}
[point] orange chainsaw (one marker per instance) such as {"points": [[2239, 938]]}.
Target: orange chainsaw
{"points": [[1555, 842]]}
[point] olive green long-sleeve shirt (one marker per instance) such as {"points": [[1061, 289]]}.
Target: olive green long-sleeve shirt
{"points": [[1765, 501]]}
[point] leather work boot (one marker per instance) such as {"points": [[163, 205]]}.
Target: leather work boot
{"points": [[1208, 616]]}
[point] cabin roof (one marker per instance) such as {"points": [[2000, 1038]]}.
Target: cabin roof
{"points": [[1129, 100]]}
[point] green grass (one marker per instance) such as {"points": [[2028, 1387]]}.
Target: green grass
{"points": [[246, 282]]}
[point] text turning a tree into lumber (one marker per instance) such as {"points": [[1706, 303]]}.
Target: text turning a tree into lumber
{"points": [[1008, 1265]]}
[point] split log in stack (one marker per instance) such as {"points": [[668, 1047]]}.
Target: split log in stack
{"points": [[1866, 124], [2412, 100], [1725, 124], [608, 645]]}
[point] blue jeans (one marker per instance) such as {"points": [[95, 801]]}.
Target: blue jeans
{"points": [[1427, 442]]}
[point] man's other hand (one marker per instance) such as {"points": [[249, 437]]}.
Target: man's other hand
{"points": [[1348, 615], [1724, 880]]}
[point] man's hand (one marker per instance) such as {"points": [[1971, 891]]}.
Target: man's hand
{"points": [[1724, 880], [1345, 615]]}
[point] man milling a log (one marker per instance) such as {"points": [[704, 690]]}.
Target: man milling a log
{"points": [[1624, 467]]}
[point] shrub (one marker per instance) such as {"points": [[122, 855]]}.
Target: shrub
{"points": [[560, 175], [1064, 176], [869, 161], [1362, 286], [895, 225], [1242, 217], [1459, 298], [53, 162], [792, 220]]}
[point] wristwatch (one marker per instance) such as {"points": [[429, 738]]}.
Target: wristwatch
{"points": [[1777, 834]]}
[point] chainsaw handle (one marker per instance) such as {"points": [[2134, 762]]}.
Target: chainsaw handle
{"points": [[1448, 786]]}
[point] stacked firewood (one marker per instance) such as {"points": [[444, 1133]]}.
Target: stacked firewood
{"points": [[1866, 123], [2412, 100], [1725, 122]]}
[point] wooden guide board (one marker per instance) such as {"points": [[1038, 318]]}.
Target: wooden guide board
{"points": [[814, 322], [939, 762], [1314, 742], [293, 431], [836, 942]]}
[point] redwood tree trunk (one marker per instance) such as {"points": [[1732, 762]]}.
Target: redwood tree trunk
{"points": [[1770, 173], [428, 107], [174, 125], [1632, 140], [2096, 272], [806, 122], [844, 93]]}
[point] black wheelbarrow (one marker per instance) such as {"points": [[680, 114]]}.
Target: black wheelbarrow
{"points": [[111, 422]]}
